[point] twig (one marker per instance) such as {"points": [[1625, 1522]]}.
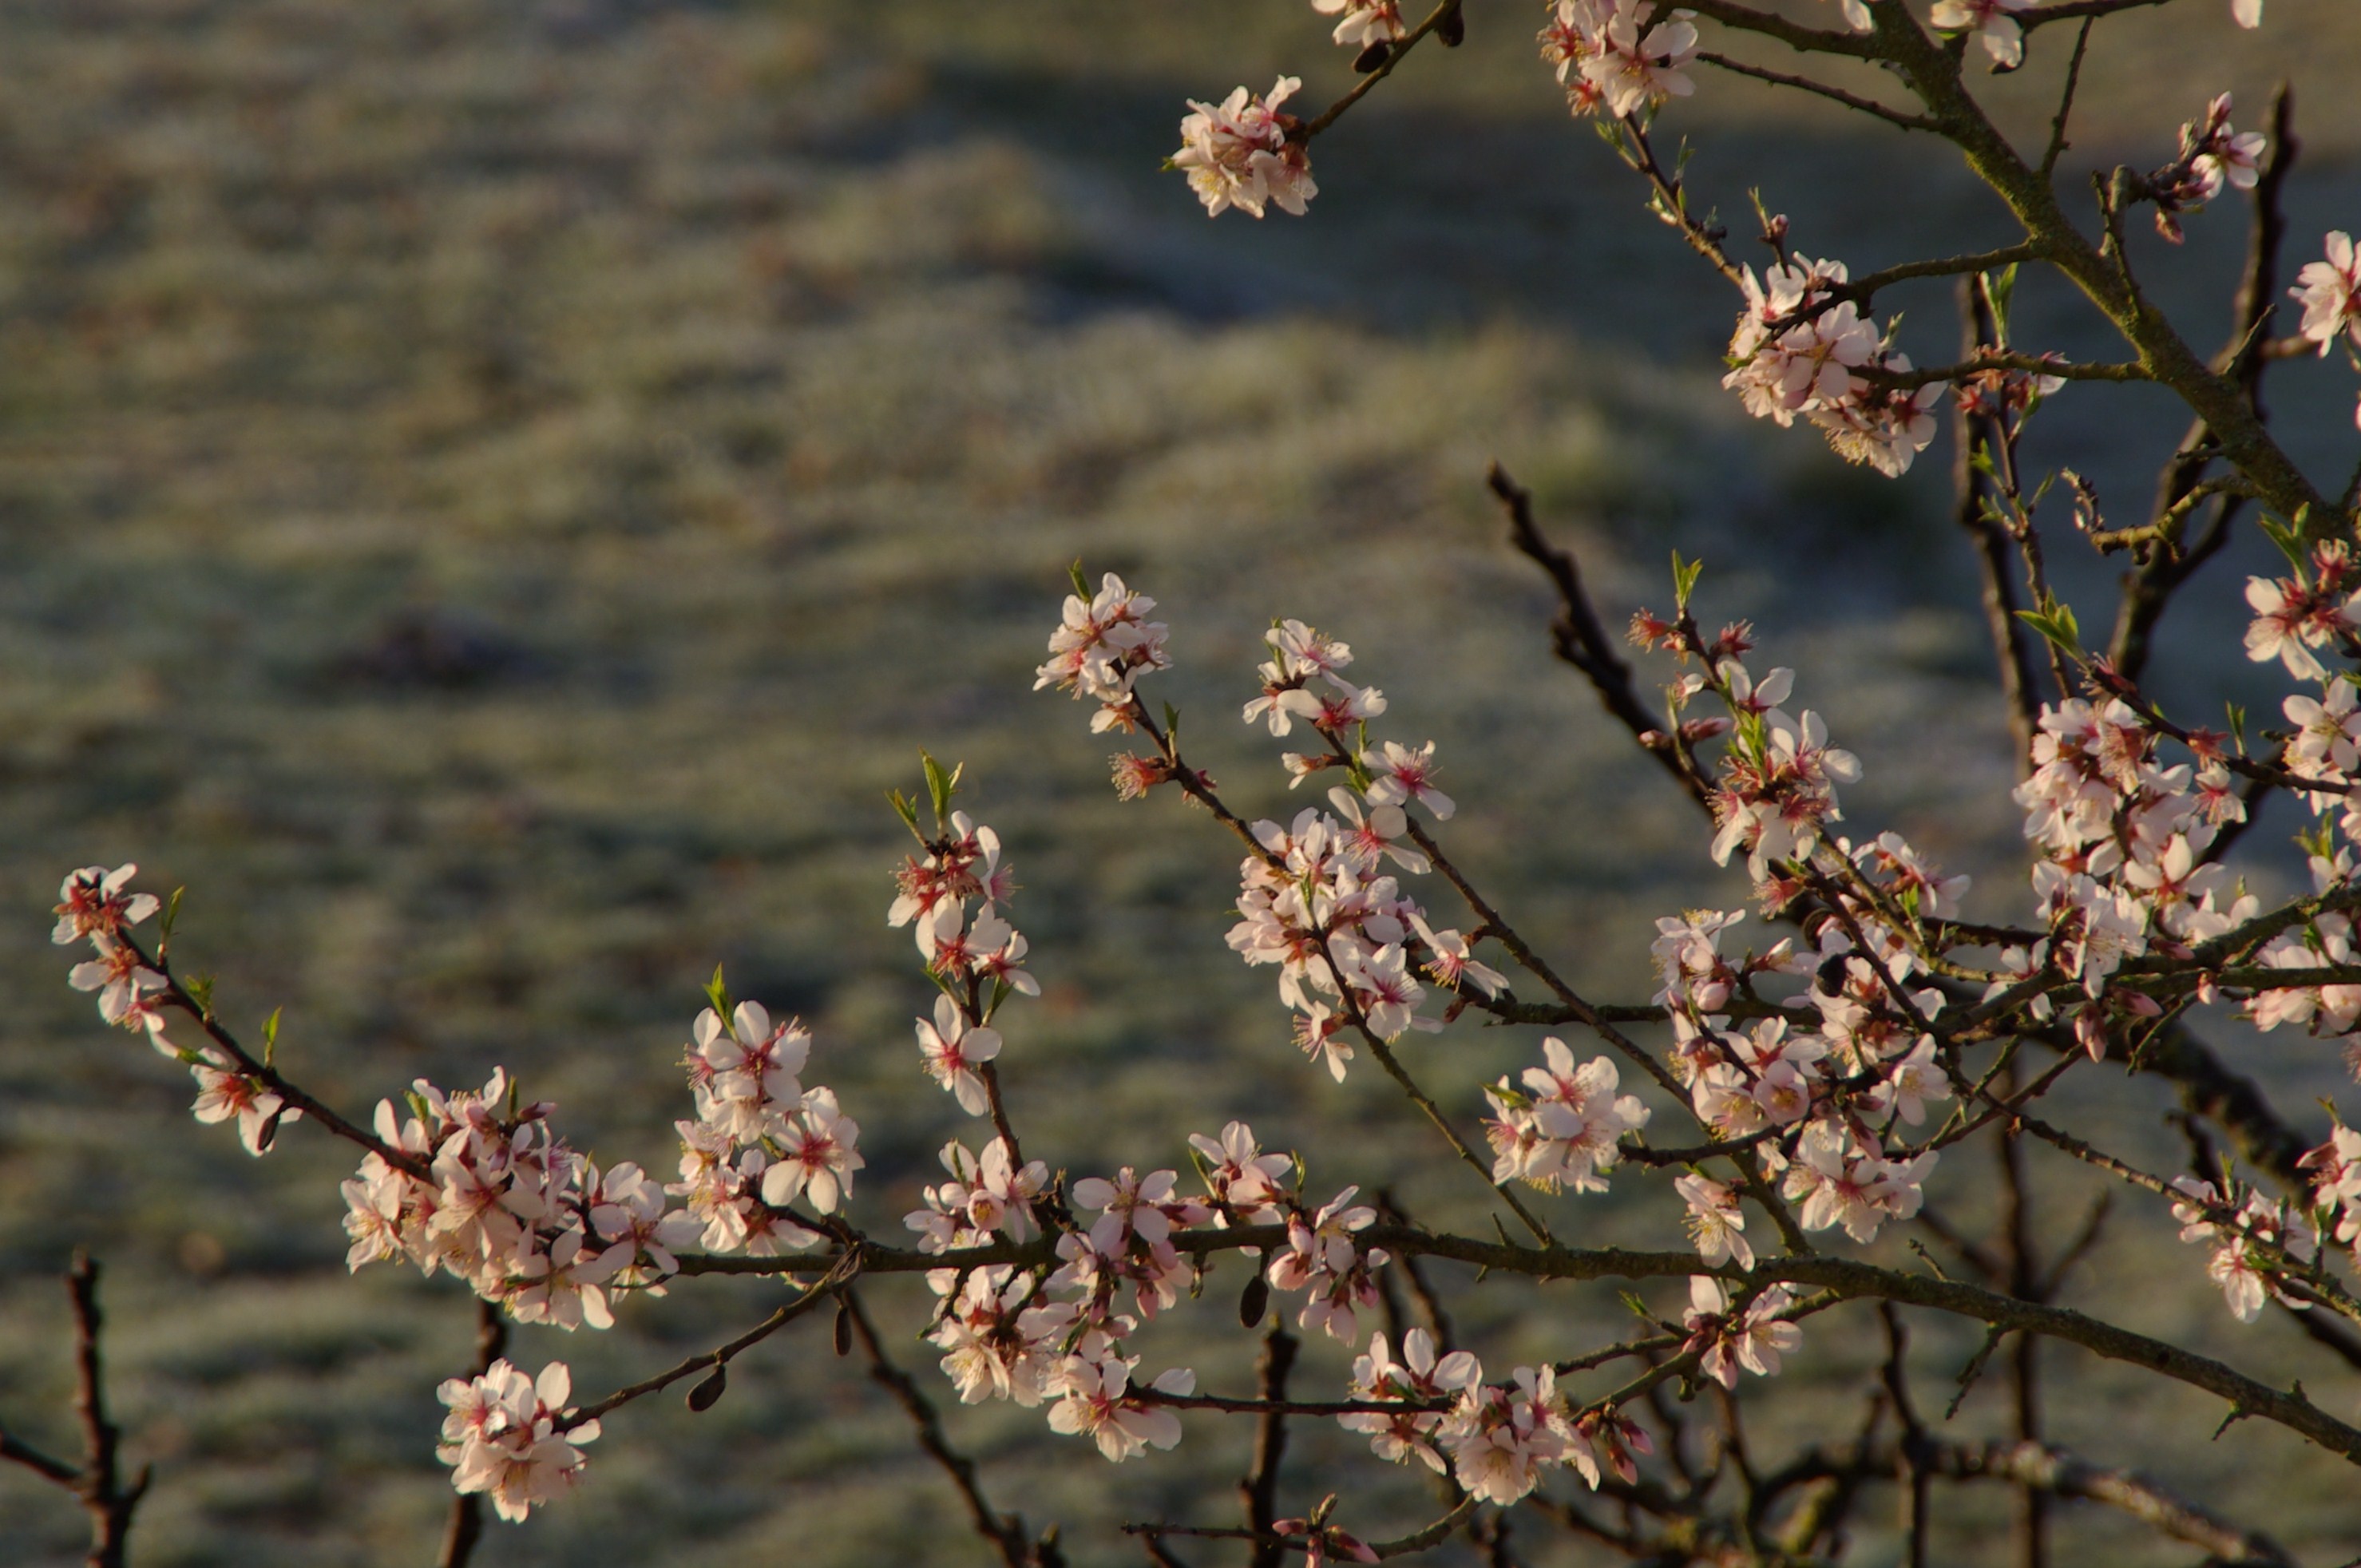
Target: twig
{"points": [[841, 1274], [1258, 1492], [1579, 638], [1006, 1532], [1335, 111], [1892, 116], [1915, 1513], [1978, 515], [2150, 589], [2058, 143]]}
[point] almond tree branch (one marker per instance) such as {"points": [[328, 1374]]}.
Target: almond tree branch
{"points": [[1892, 116], [1581, 639], [109, 1502], [1844, 1278], [269, 1076], [1006, 1532], [2148, 590], [1334, 111], [845, 1267], [1258, 1491]]}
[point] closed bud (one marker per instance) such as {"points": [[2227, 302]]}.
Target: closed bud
{"points": [[1253, 1301], [708, 1393]]}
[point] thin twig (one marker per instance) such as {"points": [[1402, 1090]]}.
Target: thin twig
{"points": [[1006, 1532], [1258, 1492]]}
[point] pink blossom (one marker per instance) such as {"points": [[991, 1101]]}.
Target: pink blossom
{"points": [[1237, 154]]}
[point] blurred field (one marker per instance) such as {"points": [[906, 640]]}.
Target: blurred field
{"points": [[491, 496]]}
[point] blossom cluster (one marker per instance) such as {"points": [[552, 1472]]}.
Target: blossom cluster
{"points": [[1801, 348], [1058, 1336], [1497, 1440], [2211, 156], [2254, 1238], [513, 1437], [1564, 1127], [1615, 56], [1237, 153]]}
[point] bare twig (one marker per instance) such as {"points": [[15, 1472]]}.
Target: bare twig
{"points": [[1258, 1492], [1006, 1532], [1580, 639]]}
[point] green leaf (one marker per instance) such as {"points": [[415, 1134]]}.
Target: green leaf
{"points": [[907, 810], [2237, 711], [2055, 621], [171, 918], [1685, 580], [1171, 724], [940, 787], [718, 993], [1074, 572], [2290, 541], [2000, 288], [270, 1036], [201, 991]]}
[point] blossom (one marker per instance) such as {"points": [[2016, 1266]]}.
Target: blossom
{"points": [[2249, 1244], [1103, 645], [819, 1158], [1632, 70], [224, 1094], [2331, 294], [92, 902], [1420, 1375], [1237, 154], [1322, 1259], [1797, 350], [1914, 1080], [954, 1051], [1239, 1174], [1399, 775], [1843, 1179], [965, 863], [121, 980], [562, 1284], [1500, 1437], [1754, 1339], [1564, 1127], [1452, 961], [1094, 1403], [1716, 1223], [1364, 23], [1992, 20], [1134, 1205], [743, 1076], [507, 1435]]}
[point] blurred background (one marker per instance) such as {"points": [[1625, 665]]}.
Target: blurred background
{"points": [[492, 492]]}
